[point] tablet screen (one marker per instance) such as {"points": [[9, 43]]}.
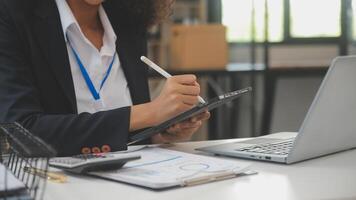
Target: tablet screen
{"points": [[200, 108]]}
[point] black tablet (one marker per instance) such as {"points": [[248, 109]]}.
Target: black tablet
{"points": [[200, 108]]}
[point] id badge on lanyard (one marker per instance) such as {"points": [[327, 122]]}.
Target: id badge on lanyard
{"points": [[98, 103]]}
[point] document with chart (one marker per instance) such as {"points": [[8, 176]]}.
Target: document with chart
{"points": [[160, 168]]}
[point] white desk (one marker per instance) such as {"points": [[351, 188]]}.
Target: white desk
{"points": [[331, 177]]}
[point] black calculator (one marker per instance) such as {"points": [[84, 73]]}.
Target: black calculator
{"points": [[85, 163]]}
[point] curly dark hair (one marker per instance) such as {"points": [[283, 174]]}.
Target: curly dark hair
{"points": [[144, 12]]}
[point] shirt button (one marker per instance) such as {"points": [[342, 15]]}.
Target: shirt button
{"points": [[86, 150], [95, 150], [105, 149]]}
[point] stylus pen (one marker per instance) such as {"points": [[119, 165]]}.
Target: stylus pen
{"points": [[162, 72]]}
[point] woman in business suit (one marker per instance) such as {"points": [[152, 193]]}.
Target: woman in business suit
{"points": [[70, 73]]}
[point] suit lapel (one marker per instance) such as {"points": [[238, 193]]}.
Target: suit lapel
{"points": [[49, 33], [123, 47], [126, 47], [48, 30]]}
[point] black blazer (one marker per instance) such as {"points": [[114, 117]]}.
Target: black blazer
{"points": [[36, 86]]}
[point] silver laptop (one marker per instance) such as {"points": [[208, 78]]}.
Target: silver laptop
{"points": [[329, 126]]}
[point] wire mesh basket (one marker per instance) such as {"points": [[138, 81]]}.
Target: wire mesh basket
{"points": [[26, 157]]}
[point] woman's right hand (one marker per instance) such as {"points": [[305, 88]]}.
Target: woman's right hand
{"points": [[179, 94]]}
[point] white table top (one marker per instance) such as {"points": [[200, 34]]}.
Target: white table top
{"points": [[331, 177]]}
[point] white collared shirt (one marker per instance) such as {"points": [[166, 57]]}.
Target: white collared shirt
{"points": [[115, 92]]}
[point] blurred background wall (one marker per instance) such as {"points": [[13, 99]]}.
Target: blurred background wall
{"points": [[280, 47]]}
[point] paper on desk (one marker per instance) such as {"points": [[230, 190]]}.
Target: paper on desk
{"points": [[162, 168], [8, 182]]}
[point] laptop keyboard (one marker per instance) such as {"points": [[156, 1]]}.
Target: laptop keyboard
{"points": [[279, 148]]}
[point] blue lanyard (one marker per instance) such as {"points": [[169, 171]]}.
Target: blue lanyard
{"points": [[86, 76]]}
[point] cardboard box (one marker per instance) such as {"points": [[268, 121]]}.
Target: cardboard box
{"points": [[198, 47]]}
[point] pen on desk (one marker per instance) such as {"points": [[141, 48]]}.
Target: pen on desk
{"points": [[162, 71], [51, 176]]}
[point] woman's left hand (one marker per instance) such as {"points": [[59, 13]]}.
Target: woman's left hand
{"points": [[182, 131]]}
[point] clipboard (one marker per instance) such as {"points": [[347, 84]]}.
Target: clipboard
{"points": [[200, 108]]}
